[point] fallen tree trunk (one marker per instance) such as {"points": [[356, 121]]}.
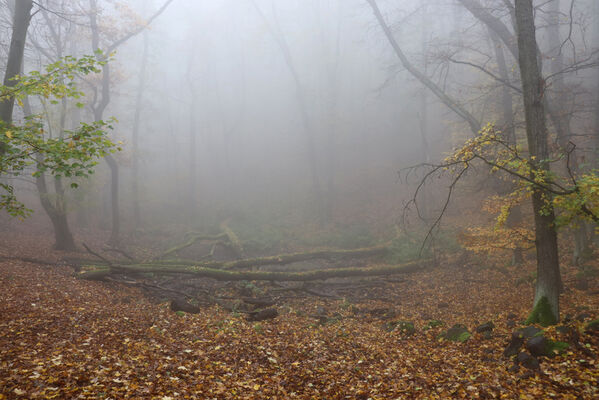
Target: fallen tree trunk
{"points": [[233, 240], [193, 239], [223, 275], [280, 259]]}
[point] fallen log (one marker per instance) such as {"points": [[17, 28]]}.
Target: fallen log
{"points": [[233, 240], [281, 259], [224, 275], [193, 239]]}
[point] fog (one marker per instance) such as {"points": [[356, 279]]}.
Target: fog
{"points": [[299, 199], [283, 112]]}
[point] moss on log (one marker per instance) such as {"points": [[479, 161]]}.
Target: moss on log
{"points": [[280, 259], [189, 242], [233, 240], [224, 275]]}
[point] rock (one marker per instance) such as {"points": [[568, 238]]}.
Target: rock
{"points": [[518, 338], [182, 305], [529, 332], [443, 305], [262, 315], [457, 333], [528, 361], [514, 346], [512, 316], [568, 318], [541, 346], [582, 316], [487, 335], [510, 323], [514, 369], [405, 327], [564, 330], [432, 324], [592, 327], [538, 346], [486, 327]]}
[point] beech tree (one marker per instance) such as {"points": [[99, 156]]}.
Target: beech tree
{"points": [[14, 64]]}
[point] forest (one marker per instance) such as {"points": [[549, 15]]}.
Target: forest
{"points": [[299, 199]]}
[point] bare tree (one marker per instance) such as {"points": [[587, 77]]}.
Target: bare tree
{"points": [[308, 128], [21, 18], [141, 84], [103, 99], [446, 99]]}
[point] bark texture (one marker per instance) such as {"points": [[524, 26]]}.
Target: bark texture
{"points": [[548, 274]]}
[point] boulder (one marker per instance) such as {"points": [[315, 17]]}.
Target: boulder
{"points": [[486, 327], [262, 315], [592, 327], [582, 316], [182, 305], [457, 333], [405, 327], [538, 346], [528, 361], [433, 323]]}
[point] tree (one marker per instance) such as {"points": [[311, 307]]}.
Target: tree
{"points": [[104, 99], [546, 301], [446, 99], [73, 154], [14, 64], [308, 128], [54, 204]]}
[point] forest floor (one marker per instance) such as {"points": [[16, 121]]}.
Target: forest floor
{"points": [[61, 337]]}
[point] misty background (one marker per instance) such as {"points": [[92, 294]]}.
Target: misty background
{"points": [[285, 112]]}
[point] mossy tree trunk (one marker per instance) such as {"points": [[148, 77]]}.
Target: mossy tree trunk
{"points": [[223, 275], [546, 301]]}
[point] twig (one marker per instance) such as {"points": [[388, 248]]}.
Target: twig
{"points": [[93, 253]]}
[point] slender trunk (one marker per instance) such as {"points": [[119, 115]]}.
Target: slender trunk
{"points": [[332, 68], [423, 208], [135, 136], [306, 123], [546, 301], [561, 119], [62, 233], [192, 157], [99, 109], [56, 211], [14, 63]]}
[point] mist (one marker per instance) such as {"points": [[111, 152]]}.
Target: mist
{"points": [[324, 142]]}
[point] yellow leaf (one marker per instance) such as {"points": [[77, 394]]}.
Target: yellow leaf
{"points": [[8, 134], [256, 386]]}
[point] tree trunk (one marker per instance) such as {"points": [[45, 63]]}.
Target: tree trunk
{"points": [[224, 275], [135, 135], [15, 58], [546, 301], [57, 210], [62, 232], [192, 201], [99, 109], [305, 117], [561, 118]]}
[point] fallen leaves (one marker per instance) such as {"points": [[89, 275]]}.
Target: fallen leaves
{"points": [[65, 338]]}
